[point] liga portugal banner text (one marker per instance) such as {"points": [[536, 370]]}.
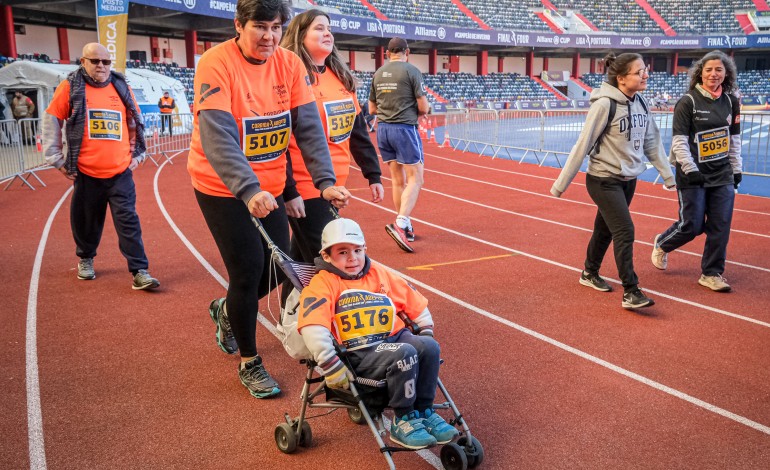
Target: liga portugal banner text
{"points": [[112, 26]]}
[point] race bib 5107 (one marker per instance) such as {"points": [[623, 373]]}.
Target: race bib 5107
{"points": [[266, 138]]}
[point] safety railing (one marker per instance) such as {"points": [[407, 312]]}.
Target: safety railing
{"points": [[545, 134], [21, 146]]}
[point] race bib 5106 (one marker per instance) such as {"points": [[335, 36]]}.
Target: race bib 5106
{"points": [[105, 124], [266, 138]]}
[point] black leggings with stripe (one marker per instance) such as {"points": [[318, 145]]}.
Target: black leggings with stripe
{"points": [[246, 258]]}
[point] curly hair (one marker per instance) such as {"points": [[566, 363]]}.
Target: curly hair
{"points": [[729, 85], [294, 40]]}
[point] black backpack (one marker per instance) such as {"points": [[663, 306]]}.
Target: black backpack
{"points": [[610, 117]]}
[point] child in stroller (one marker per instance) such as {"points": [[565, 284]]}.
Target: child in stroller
{"points": [[354, 301]]}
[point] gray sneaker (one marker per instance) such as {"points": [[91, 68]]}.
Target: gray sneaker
{"points": [[659, 257], [255, 377], [224, 336], [716, 283], [86, 269], [143, 281]]}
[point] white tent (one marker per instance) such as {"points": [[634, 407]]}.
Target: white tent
{"points": [[38, 81]]}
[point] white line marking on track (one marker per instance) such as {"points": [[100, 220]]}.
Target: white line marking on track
{"points": [[34, 410], [500, 170], [561, 224], [430, 457], [577, 270], [601, 362], [426, 455], [644, 214]]}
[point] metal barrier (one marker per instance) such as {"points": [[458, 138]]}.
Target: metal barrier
{"points": [[21, 151], [21, 146], [552, 134]]}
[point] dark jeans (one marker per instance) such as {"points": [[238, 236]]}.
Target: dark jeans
{"points": [[613, 224], [246, 258], [88, 211], [708, 210], [410, 366], [166, 119]]}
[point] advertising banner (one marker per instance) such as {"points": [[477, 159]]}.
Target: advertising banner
{"points": [[112, 28]]}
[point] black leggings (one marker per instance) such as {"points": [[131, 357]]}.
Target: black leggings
{"points": [[246, 258], [612, 224]]}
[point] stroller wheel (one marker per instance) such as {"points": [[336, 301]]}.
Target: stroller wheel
{"points": [[285, 438], [305, 435], [453, 457], [356, 415], [474, 452]]}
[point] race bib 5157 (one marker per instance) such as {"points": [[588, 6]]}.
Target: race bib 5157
{"points": [[340, 116]]}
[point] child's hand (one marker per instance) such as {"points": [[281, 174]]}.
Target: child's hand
{"points": [[338, 379]]}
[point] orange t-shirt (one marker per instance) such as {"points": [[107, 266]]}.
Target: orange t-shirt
{"points": [[338, 109], [260, 98], [106, 149], [362, 312]]}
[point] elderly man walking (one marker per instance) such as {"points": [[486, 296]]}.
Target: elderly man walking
{"points": [[105, 143]]}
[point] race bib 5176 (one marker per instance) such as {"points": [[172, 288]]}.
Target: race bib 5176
{"points": [[363, 318]]}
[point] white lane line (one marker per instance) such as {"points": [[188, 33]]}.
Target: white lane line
{"points": [[573, 269], [219, 278], [34, 410], [500, 170], [561, 224], [430, 457], [549, 196], [601, 362], [426, 455]]}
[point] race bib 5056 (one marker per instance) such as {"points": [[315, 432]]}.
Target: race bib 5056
{"points": [[713, 144]]}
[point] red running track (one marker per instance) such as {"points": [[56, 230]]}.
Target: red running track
{"points": [[548, 373]]}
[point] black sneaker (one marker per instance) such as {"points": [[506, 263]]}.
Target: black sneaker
{"points": [[224, 336], [255, 378], [636, 299], [595, 281], [409, 232]]}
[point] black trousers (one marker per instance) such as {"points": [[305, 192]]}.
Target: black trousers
{"points": [[166, 119], [246, 258], [88, 211], [612, 224], [708, 210]]}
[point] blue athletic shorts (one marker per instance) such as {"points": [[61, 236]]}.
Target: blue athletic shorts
{"points": [[400, 142]]}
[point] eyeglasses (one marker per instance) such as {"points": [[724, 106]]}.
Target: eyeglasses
{"points": [[105, 62], [641, 72]]}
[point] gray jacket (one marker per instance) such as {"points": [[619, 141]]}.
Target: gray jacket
{"points": [[632, 135]]}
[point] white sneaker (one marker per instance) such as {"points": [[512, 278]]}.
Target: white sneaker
{"points": [[716, 283], [659, 257]]}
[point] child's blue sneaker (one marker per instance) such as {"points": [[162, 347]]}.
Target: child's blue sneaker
{"points": [[408, 431], [438, 428]]}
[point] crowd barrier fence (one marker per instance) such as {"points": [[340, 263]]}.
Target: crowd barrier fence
{"points": [[21, 145]]}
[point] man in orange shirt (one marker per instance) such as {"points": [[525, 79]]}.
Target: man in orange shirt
{"points": [[166, 105], [105, 143]]}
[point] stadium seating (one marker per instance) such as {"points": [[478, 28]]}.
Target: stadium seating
{"points": [[500, 15], [625, 17], [713, 16], [754, 83], [492, 87], [437, 12], [348, 7]]}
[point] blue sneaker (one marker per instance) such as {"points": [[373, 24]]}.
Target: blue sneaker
{"points": [[408, 431], [225, 337], [438, 428]]}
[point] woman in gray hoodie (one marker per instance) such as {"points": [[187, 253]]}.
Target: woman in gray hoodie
{"points": [[618, 134]]}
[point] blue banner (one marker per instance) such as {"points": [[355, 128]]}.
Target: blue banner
{"points": [[355, 25]]}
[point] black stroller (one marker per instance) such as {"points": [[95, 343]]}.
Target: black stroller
{"points": [[363, 407]]}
